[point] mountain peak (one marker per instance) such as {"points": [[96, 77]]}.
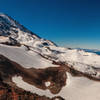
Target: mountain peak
{"points": [[3, 14], [11, 28], [7, 19], [13, 32]]}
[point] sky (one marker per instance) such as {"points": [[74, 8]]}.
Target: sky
{"points": [[69, 23]]}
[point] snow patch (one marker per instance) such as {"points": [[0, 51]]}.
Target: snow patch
{"points": [[68, 79], [57, 99], [18, 80], [47, 84]]}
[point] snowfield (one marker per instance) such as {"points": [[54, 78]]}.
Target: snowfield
{"points": [[25, 58], [79, 88], [81, 56], [80, 60]]}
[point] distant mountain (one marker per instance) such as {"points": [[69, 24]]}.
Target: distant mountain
{"points": [[35, 65], [90, 50]]}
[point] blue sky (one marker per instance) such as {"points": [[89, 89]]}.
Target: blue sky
{"points": [[69, 23]]}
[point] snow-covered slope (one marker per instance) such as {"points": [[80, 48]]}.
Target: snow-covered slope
{"points": [[82, 61], [25, 58], [15, 31]]}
